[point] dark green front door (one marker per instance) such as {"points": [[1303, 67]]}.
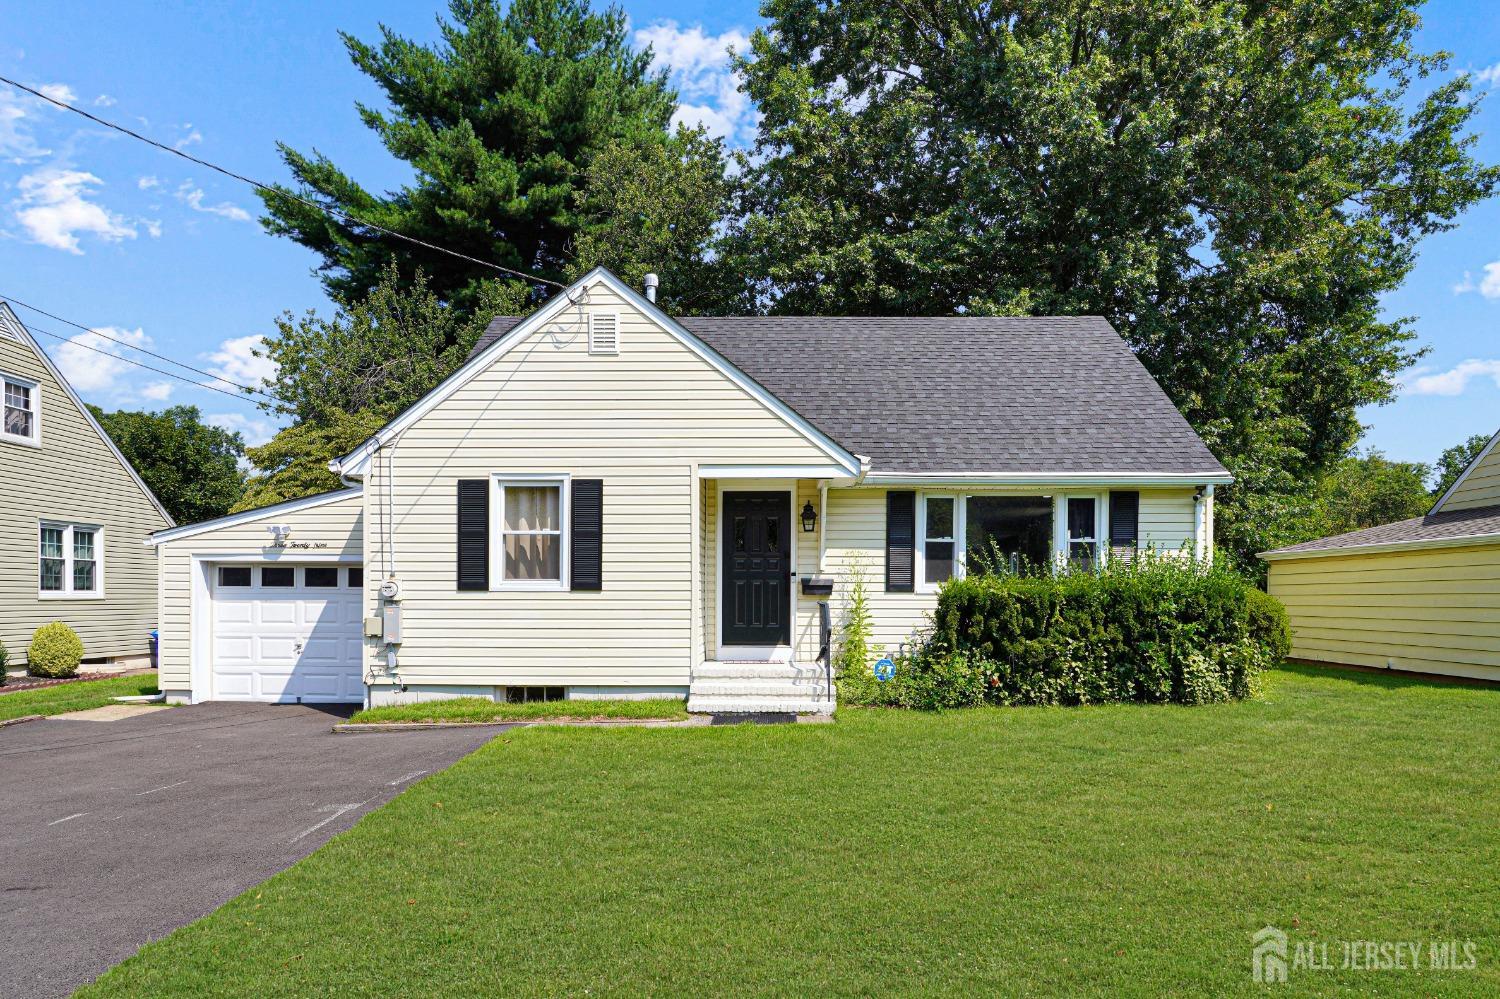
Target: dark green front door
{"points": [[757, 561]]}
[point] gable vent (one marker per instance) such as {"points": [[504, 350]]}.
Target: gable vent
{"points": [[7, 329], [604, 333]]}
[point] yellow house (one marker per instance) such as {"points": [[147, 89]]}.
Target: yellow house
{"points": [[1421, 595], [608, 501]]}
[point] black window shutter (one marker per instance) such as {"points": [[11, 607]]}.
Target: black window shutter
{"points": [[473, 534], [587, 524], [900, 540], [1124, 524]]}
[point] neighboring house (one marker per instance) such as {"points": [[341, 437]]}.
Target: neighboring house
{"points": [[605, 501], [74, 516], [1421, 595]]}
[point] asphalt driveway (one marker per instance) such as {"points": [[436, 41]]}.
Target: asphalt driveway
{"points": [[115, 833]]}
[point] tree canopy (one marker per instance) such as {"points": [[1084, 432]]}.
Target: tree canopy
{"points": [[342, 377], [1455, 459], [191, 466], [1233, 185], [499, 123]]}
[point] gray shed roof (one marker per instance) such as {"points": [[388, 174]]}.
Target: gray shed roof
{"points": [[963, 394], [1480, 522]]}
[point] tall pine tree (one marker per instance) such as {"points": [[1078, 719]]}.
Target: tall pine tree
{"points": [[499, 123]]}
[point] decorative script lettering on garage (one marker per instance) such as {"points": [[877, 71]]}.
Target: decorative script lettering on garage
{"points": [[283, 543]]}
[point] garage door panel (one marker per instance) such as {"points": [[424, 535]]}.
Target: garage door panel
{"points": [[288, 643]]}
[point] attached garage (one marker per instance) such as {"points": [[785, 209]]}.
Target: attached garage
{"points": [[266, 605], [1419, 595], [286, 633]]}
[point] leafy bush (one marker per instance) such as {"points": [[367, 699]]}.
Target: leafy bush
{"points": [[1161, 630], [4, 662], [853, 656], [56, 650]]}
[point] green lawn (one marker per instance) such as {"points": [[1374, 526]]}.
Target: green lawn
{"points": [[482, 709], [73, 696], [1040, 851]]}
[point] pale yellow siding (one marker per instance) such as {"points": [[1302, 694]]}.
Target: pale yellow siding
{"points": [[1432, 611], [332, 528], [856, 549], [1480, 487], [1166, 523], [73, 477], [640, 421]]}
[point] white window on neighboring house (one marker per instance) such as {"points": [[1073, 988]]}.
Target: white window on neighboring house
{"points": [[532, 539], [937, 544], [70, 561], [19, 419]]}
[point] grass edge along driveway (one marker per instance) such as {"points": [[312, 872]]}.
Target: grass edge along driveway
{"points": [[1096, 851], [65, 697]]}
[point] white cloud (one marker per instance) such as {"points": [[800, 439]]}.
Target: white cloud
{"points": [[1488, 285], [17, 113], [256, 430], [54, 209], [90, 371], [104, 101], [236, 361], [700, 69], [1490, 75], [1454, 381], [158, 391], [59, 92], [153, 227], [192, 138], [193, 198], [147, 182]]}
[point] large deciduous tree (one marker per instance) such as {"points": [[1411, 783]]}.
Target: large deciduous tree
{"points": [[499, 123], [1233, 184], [1455, 459], [191, 466]]}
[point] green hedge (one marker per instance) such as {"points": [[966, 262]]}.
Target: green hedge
{"points": [[1159, 631]]}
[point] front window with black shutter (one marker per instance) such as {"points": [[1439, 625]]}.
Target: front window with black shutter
{"points": [[531, 537]]}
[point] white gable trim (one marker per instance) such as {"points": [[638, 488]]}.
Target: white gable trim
{"points": [[9, 318], [1483, 454], [357, 463], [250, 516]]}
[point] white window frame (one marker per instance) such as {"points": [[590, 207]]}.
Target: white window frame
{"points": [[564, 484], [1063, 544], [35, 440], [67, 592], [959, 505]]}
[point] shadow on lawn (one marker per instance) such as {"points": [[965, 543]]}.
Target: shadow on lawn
{"points": [[1390, 679]]}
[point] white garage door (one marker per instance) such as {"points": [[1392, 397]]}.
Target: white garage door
{"points": [[288, 633]]}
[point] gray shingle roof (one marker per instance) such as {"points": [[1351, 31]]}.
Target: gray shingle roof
{"points": [[963, 393], [1483, 520]]}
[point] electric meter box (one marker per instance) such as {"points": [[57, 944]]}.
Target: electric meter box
{"points": [[390, 616]]}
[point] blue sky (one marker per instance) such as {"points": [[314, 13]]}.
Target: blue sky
{"points": [[150, 249]]}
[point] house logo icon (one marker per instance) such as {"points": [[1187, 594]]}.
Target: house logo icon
{"points": [[1268, 958]]}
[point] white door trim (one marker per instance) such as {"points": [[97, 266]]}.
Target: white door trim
{"points": [[200, 608], [759, 653]]}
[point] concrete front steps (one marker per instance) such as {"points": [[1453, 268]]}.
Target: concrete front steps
{"points": [[758, 688]]}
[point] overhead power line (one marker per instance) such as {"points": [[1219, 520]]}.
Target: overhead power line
{"points": [[339, 214], [132, 346], [126, 360]]}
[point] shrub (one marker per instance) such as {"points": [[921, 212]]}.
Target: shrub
{"points": [[854, 657], [1160, 630], [4, 663], [55, 652]]}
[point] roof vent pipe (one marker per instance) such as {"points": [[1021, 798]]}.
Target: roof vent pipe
{"points": [[651, 282]]}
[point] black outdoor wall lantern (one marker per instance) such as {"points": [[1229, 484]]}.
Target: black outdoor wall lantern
{"points": [[809, 517]]}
